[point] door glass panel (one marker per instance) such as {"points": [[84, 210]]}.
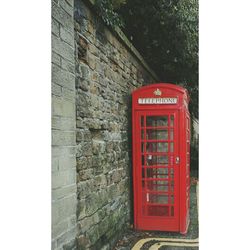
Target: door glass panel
{"points": [[172, 199], [142, 147], [142, 160], [157, 172], [157, 198], [171, 134], [171, 120], [155, 121], [157, 146], [172, 186], [157, 134], [142, 121], [157, 185], [160, 160], [171, 173], [143, 173], [171, 147], [143, 182], [142, 134], [153, 134], [155, 160]]}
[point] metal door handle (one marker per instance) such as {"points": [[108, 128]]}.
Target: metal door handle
{"points": [[177, 160]]}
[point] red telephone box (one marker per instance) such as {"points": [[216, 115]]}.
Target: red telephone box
{"points": [[161, 157]]}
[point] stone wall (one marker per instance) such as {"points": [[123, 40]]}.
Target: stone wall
{"points": [[94, 71], [63, 127], [108, 69]]}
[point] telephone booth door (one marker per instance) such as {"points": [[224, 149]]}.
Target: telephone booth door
{"points": [[159, 191], [156, 162]]}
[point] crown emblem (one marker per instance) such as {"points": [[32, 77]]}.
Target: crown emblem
{"points": [[157, 92]]}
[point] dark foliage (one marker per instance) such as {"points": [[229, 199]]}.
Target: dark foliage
{"points": [[166, 33], [107, 11]]}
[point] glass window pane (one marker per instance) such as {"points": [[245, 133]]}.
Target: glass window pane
{"points": [[157, 198], [143, 172], [172, 186], [157, 172], [154, 121], [161, 160], [142, 147], [171, 173], [156, 160], [157, 185], [142, 134], [171, 134], [153, 134], [143, 183], [172, 199], [171, 120], [142, 160], [171, 147], [157, 147], [142, 121]]}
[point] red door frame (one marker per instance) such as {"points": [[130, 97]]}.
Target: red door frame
{"points": [[157, 222]]}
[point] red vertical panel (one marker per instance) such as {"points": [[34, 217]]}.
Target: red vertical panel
{"points": [[183, 150]]}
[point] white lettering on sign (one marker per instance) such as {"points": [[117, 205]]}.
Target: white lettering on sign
{"points": [[167, 100]]}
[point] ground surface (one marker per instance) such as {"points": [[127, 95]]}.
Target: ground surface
{"points": [[131, 237]]}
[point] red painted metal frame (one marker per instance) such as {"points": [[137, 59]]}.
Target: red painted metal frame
{"points": [[180, 221]]}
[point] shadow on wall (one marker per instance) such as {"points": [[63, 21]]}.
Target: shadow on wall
{"points": [[130, 172], [194, 161], [194, 149]]}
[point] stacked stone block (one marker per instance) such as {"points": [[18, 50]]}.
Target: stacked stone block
{"points": [[63, 127], [106, 74], [94, 71]]}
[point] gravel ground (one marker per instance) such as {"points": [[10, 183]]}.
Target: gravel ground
{"points": [[130, 236]]}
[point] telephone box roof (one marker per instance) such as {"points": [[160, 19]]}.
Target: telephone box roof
{"points": [[171, 86]]}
